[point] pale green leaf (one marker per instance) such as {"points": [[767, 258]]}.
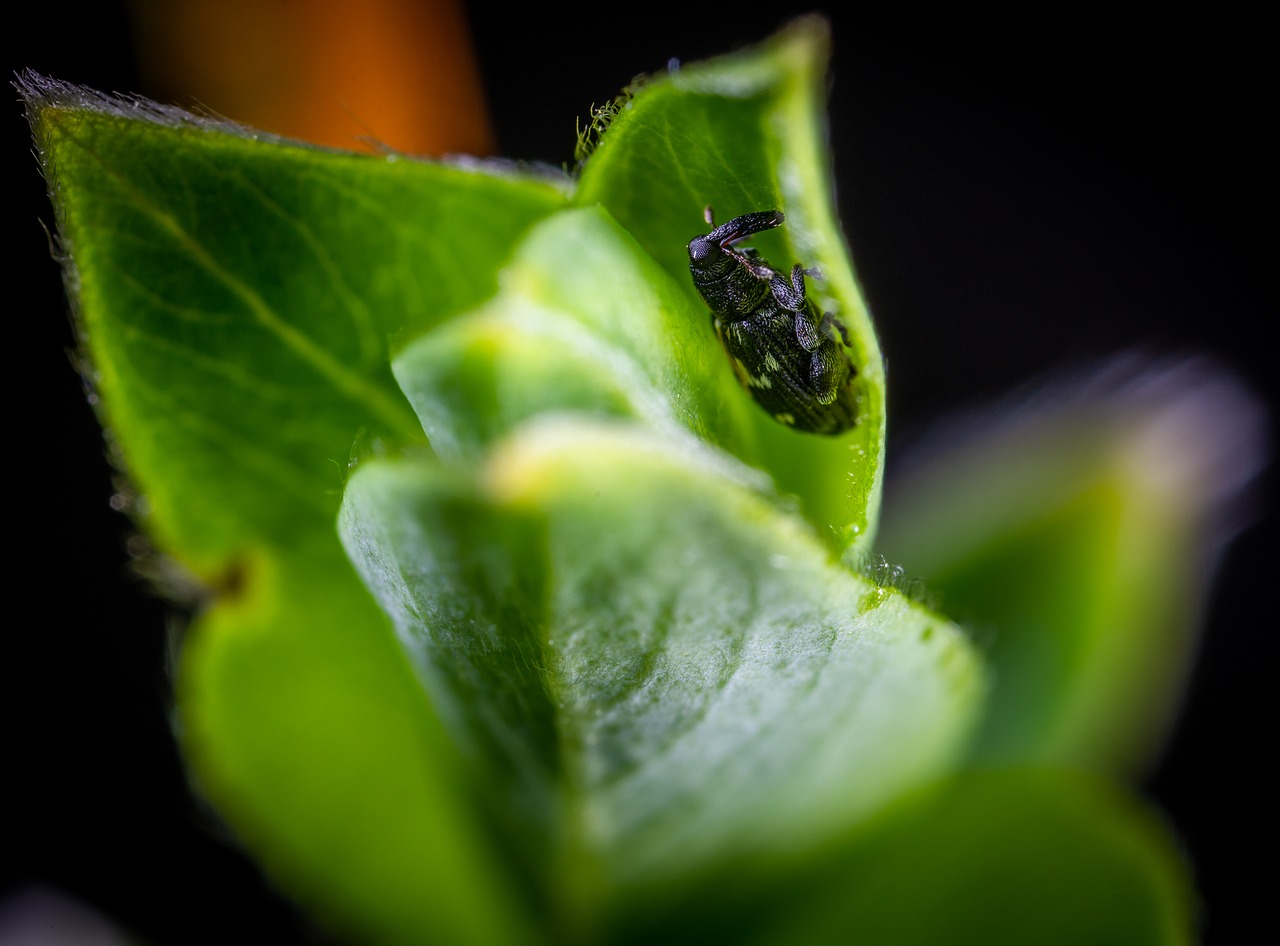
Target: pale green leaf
{"points": [[662, 670]]}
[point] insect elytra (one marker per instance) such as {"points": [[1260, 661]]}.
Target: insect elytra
{"points": [[788, 356]]}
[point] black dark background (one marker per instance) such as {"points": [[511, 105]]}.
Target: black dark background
{"points": [[1021, 196]]}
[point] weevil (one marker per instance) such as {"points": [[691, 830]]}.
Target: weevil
{"points": [[788, 356]]}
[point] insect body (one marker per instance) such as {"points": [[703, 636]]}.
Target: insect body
{"points": [[785, 354]]}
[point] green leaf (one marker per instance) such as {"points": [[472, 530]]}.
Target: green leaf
{"points": [[585, 322], [1003, 858], [661, 670], [1072, 537], [237, 297], [985, 858], [740, 134], [310, 732]]}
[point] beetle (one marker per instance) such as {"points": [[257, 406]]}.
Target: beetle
{"points": [[784, 353]]}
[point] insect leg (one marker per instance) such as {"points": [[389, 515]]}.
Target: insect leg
{"points": [[829, 322], [806, 332], [824, 375], [790, 295]]}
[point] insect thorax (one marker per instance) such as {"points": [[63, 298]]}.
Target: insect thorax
{"points": [[733, 296]]}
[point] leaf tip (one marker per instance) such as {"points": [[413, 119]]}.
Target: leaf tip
{"points": [[44, 97]]}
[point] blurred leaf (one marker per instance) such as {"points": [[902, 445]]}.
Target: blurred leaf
{"points": [[307, 726], [1002, 857], [1074, 536], [985, 858], [661, 669], [745, 133]]}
